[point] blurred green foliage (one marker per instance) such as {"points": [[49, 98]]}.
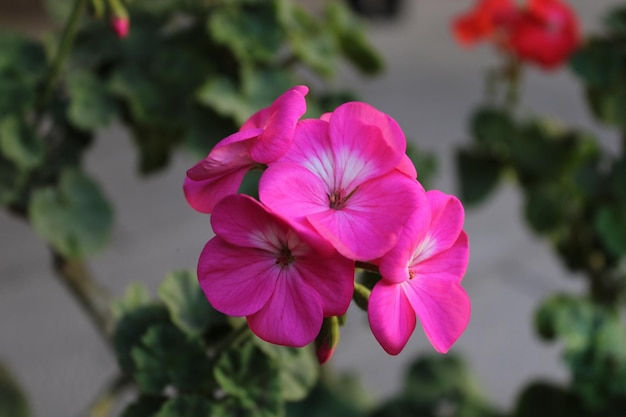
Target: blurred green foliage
{"points": [[575, 196]]}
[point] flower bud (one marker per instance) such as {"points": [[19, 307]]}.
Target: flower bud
{"points": [[121, 26], [327, 339]]}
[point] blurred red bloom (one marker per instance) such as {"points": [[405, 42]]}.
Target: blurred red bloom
{"points": [[544, 32], [547, 33]]}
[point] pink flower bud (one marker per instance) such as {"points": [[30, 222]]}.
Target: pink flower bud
{"points": [[121, 26], [327, 339]]}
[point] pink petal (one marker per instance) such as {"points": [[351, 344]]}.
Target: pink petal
{"points": [[203, 195], [311, 149], [391, 316], [450, 264], [333, 279], [447, 217], [236, 281], [369, 224], [292, 191], [293, 314], [394, 265], [407, 167], [442, 306], [346, 116], [242, 221], [279, 125]]}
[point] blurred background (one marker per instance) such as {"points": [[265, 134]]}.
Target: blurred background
{"points": [[430, 86]]}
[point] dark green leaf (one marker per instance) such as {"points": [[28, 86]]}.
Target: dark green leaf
{"points": [[598, 63], [187, 304], [155, 146], [75, 217], [11, 182], [91, 106], [144, 406], [546, 207], [542, 399], [609, 103], [252, 31], [21, 57], [136, 295], [618, 180], [493, 130], [478, 175], [616, 21], [298, 369], [610, 222], [566, 317], [130, 329], [352, 39], [12, 400], [325, 400], [190, 406], [19, 143], [252, 379], [164, 356]]}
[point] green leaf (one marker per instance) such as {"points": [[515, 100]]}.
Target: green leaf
{"points": [[252, 379], [130, 329], [311, 42], [20, 144], [326, 400], [12, 400], [608, 103], [251, 31], [164, 356], [478, 175], [298, 369], [618, 179], [91, 106], [616, 21], [610, 223], [144, 406], [59, 10], [598, 63], [352, 39], [546, 207], [74, 217], [190, 406], [136, 295], [542, 399], [22, 58], [493, 130], [565, 317], [187, 304], [11, 184]]}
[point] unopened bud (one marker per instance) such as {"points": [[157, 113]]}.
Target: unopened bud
{"points": [[121, 26], [327, 339]]}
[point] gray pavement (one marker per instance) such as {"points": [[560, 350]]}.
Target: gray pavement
{"points": [[430, 88]]}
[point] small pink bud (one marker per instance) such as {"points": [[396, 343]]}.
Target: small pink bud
{"points": [[327, 339], [121, 26]]}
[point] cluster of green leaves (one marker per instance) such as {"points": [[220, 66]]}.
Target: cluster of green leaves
{"points": [[188, 74], [575, 196], [187, 359], [574, 192]]}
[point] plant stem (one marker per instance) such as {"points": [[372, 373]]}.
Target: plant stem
{"points": [[67, 40], [103, 405], [94, 299], [367, 266]]}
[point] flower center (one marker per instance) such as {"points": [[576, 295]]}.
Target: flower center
{"points": [[285, 258], [338, 199]]}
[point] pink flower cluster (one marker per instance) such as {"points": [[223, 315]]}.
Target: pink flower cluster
{"points": [[334, 191]]}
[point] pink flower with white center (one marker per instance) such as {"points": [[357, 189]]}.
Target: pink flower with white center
{"points": [[422, 276], [347, 179], [263, 138], [284, 281]]}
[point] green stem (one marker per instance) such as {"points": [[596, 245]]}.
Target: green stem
{"points": [[67, 40], [93, 298], [361, 295], [110, 396]]}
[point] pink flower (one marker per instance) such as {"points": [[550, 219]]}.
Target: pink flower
{"points": [[262, 139], [285, 282], [346, 178], [421, 276], [121, 26], [486, 20]]}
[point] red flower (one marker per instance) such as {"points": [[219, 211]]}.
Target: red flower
{"points": [[544, 32], [486, 20], [547, 33]]}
